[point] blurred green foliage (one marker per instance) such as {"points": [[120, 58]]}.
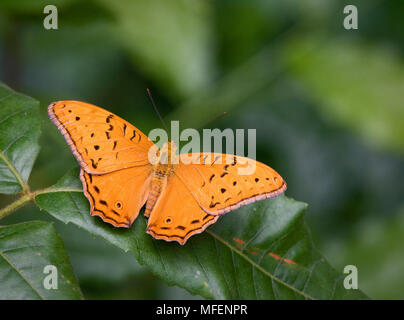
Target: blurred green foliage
{"points": [[326, 103]]}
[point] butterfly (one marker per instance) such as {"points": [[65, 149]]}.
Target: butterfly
{"points": [[184, 193]]}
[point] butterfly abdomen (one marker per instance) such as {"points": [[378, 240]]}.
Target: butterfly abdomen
{"points": [[160, 174]]}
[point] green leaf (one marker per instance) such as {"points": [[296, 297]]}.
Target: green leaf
{"points": [[261, 251], [93, 259], [19, 134], [25, 250]]}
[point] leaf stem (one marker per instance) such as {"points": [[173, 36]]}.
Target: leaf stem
{"points": [[51, 190], [15, 205], [30, 196]]}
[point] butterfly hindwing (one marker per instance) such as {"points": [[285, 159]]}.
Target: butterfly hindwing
{"points": [[176, 215], [117, 197], [221, 183], [101, 141]]}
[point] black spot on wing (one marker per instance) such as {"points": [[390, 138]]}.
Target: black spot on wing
{"points": [[134, 135], [108, 119], [93, 164], [212, 205]]}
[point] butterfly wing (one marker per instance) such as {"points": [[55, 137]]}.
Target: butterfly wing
{"points": [[101, 141], [117, 197], [176, 215], [221, 183]]}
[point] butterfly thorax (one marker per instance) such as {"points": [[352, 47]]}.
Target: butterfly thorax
{"points": [[162, 170]]}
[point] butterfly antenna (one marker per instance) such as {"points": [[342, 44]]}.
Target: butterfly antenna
{"points": [[214, 119], [155, 108]]}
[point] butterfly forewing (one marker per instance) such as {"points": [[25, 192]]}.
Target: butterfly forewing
{"points": [[101, 141], [221, 183]]}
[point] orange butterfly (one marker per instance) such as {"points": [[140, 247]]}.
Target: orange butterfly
{"points": [[181, 199]]}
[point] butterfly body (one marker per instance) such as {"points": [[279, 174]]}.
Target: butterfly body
{"points": [[183, 193], [162, 170]]}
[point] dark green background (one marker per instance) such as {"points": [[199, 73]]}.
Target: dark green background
{"points": [[327, 104]]}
